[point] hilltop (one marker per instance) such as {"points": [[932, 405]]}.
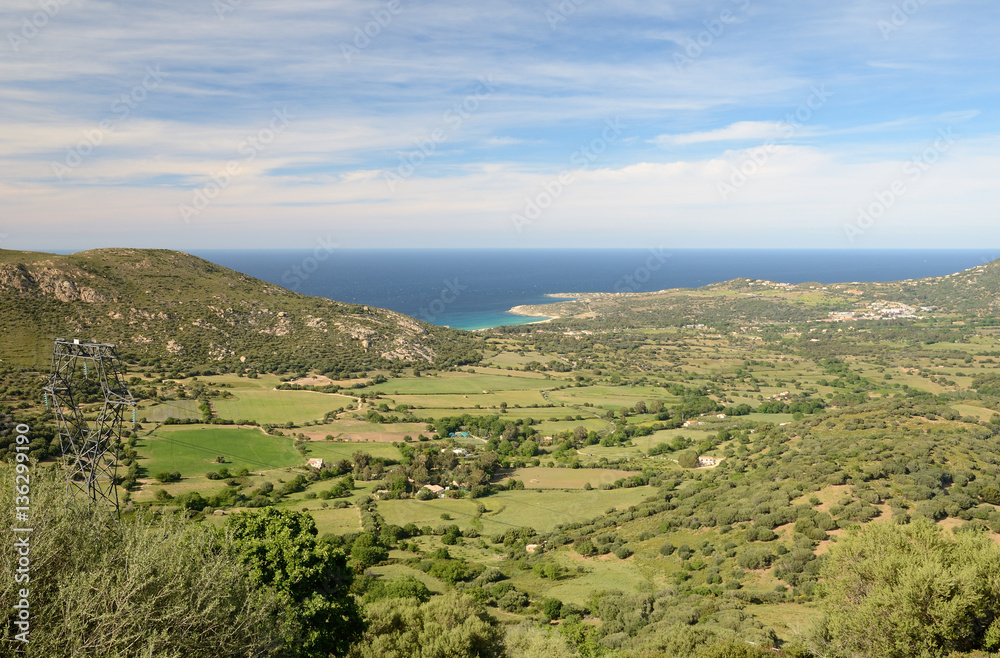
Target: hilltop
{"points": [[162, 304], [969, 294]]}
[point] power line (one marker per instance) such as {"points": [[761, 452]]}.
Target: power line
{"points": [[88, 450]]}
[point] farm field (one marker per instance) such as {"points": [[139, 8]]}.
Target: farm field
{"points": [[191, 450], [332, 451], [461, 383], [564, 478], [542, 511], [278, 407]]}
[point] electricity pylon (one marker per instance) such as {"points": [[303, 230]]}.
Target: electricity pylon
{"points": [[89, 448]]}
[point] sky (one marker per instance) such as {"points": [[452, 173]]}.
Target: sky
{"points": [[407, 123]]}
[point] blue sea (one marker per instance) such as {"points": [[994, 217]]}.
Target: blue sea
{"points": [[474, 288]]}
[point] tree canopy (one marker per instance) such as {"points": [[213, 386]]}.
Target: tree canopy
{"points": [[909, 590]]}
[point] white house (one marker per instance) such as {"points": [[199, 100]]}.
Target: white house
{"points": [[316, 462]]}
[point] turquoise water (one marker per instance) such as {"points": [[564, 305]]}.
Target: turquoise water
{"points": [[474, 288]]}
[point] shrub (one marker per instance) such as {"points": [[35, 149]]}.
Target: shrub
{"points": [[755, 557], [512, 601]]}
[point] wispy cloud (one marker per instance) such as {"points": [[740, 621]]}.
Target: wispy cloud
{"points": [[741, 131], [555, 86]]}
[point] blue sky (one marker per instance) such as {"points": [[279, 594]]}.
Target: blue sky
{"points": [[406, 123]]}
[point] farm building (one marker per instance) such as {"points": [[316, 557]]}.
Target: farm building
{"points": [[316, 462]]}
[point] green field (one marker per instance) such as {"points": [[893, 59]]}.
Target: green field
{"points": [[191, 450], [461, 383], [564, 478], [542, 511], [278, 407], [332, 451]]}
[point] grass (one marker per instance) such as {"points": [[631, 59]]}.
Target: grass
{"points": [[789, 620], [609, 397], [460, 383], [191, 450], [600, 574], [565, 478], [332, 451], [542, 511], [278, 407], [336, 521], [398, 570]]}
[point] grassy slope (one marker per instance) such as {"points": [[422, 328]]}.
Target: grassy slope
{"points": [[159, 303]]}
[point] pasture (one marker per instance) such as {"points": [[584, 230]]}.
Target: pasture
{"points": [[541, 510], [191, 450], [563, 478]]}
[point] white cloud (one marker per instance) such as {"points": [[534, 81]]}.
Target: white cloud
{"points": [[740, 131]]}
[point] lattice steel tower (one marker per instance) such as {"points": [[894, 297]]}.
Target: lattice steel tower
{"points": [[83, 371]]}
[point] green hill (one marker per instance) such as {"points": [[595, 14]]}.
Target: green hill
{"points": [[160, 304], [969, 294]]}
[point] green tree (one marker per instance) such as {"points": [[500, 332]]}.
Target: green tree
{"points": [[908, 590], [367, 551], [688, 459], [990, 495], [311, 578], [158, 586], [450, 626], [528, 449]]}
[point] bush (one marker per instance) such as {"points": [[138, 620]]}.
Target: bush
{"points": [[175, 586], [552, 608], [755, 557], [512, 601], [878, 579]]}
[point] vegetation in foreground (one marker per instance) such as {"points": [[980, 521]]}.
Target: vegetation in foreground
{"points": [[552, 491]]}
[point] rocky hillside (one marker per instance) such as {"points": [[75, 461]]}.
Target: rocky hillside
{"points": [[157, 304]]}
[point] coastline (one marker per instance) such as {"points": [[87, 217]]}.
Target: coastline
{"points": [[526, 309]]}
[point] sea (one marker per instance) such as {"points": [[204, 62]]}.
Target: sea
{"points": [[476, 288]]}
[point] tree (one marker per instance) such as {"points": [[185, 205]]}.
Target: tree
{"points": [[167, 586], [367, 551], [450, 626], [688, 459], [311, 578], [528, 449], [908, 590], [990, 495]]}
